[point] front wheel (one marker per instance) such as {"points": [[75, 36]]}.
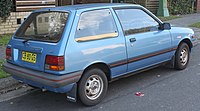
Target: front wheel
{"points": [[92, 87], [182, 56]]}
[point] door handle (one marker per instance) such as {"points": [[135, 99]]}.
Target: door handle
{"points": [[132, 39]]}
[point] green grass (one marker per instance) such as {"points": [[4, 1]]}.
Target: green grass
{"points": [[2, 73], [4, 39], [171, 17], [197, 25]]}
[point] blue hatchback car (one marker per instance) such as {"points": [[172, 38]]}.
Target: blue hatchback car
{"points": [[78, 49]]}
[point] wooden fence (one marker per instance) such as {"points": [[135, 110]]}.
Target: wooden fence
{"points": [[29, 5], [152, 5]]}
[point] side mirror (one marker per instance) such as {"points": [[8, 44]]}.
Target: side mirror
{"points": [[165, 26]]}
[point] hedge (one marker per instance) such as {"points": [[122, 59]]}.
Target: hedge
{"points": [[5, 8]]}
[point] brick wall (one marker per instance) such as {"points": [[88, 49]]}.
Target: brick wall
{"points": [[12, 22], [198, 6]]}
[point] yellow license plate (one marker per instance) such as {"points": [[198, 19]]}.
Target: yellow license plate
{"points": [[29, 57]]}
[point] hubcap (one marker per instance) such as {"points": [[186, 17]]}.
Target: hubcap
{"points": [[184, 56], [93, 87]]}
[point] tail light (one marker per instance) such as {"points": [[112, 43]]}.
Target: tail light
{"points": [[55, 63], [8, 53]]}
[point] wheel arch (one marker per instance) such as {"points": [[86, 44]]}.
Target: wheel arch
{"points": [[103, 66], [188, 42]]}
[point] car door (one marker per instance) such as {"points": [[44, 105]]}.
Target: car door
{"points": [[146, 44], [95, 39]]}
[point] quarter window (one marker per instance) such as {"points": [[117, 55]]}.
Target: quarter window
{"points": [[96, 24], [135, 21]]}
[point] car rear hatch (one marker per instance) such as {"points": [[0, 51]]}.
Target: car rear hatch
{"points": [[38, 37]]}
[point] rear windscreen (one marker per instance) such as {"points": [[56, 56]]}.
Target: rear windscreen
{"points": [[43, 26]]}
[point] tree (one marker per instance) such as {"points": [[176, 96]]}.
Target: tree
{"points": [[181, 6], [5, 8]]}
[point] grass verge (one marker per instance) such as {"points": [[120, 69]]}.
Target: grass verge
{"points": [[197, 25], [171, 17], [4, 39], [2, 73]]}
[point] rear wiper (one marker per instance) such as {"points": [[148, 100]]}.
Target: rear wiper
{"points": [[26, 40]]}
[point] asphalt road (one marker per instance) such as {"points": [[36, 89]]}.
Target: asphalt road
{"points": [[164, 89]]}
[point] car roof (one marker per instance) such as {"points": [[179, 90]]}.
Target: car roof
{"points": [[89, 6]]}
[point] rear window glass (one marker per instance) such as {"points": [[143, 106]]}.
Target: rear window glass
{"points": [[43, 26]]}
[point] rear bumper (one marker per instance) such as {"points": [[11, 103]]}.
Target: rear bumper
{"points": [[56, 83]]}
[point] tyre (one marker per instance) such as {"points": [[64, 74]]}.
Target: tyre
{"points": [[92, 87], [182, 56]]}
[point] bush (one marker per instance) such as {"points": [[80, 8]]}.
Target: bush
{"points": [[5, 8], [181, 7]]}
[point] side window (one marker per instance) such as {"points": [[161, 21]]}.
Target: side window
{"points": [[96, 24], [135, 21]]}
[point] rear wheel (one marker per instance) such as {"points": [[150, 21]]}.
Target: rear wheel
{"points": [[92, 87], [182, 56]]}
